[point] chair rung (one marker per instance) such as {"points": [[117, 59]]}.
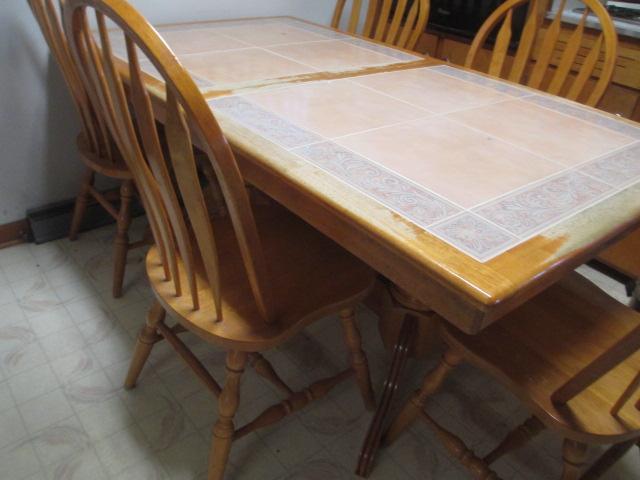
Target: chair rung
{"points": [[295, 402], [102, 200]]}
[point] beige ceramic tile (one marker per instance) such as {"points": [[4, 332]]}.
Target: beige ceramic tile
{"points": [[458, 163], [335, 108], [433, 91], [201, 40], [550, 134], [333, 55], [242, 66], [271, 34]]}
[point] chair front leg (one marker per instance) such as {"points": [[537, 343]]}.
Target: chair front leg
{"points": [[574, 455], [147, 338], [122, 237], [228, 402], [432, 382], [359, 362]]}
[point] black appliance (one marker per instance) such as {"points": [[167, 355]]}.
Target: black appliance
{"points": [[463, 18]]}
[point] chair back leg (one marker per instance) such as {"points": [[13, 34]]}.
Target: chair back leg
{"points": [[81, 203], [121, 245]]}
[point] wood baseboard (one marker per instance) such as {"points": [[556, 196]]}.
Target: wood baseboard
{"points": [[14, 233]]}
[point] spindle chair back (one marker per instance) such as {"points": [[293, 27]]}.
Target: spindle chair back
{"points": [[538, 48], [95, 144], [400, 26]]}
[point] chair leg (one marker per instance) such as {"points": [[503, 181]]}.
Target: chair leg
{"points": [[431, 383], [574, 455], [359, 362], [122, 237], [147, 337], [81, 203], [228, 402], [516, 439]]}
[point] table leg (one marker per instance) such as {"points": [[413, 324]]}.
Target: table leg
{"points": [[400, 354]]}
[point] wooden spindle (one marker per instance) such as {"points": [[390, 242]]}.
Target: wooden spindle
{"points": [[359, 363], [264, 368], [516, 439], [501, 47], [573, 455]]}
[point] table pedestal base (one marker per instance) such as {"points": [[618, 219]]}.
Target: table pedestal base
{"points": [[414, 327]]}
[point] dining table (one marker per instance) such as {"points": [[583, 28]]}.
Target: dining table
{"points": [[467, 193]]}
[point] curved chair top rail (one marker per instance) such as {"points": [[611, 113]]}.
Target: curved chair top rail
{"points": [[401, 27], [538, 49], [48, 18], [167, 178]]}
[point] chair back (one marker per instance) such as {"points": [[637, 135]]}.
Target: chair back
{"points": [[167, 178], [47, 14], [600, 366], [576, 59], [400, 25]]}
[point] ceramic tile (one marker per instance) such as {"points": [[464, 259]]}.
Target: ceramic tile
{"points": [[267, 124], [78, 467], [333, 55], [460, 164], [587, 114], [385, 50], [540, 130], [122, 450], [335, 108], [270, 34], [12, 428], [394, 191], [33, 383], [59, 442], [6, 400], [189, 41], [537, 206], [252, 64], [429, 89], [485, 81], [18, 461], [618, 169], [310, 27], [472, 235]]}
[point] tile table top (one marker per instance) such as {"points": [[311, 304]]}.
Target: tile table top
{"points": [[480, 164], [249, 51]]}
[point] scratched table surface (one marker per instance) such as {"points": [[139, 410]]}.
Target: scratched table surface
{"points": [[469, 192]]}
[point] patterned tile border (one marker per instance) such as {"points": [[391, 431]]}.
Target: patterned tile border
{"points": [[534, 208], [263, 122], [400, 195], [474, 236], [389, 52], [586, 114], [482, 233], [487, 82], [618, 168]]}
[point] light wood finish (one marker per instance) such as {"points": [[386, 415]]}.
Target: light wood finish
{"points": [[246, 281], [623, 256], [523, 68], [401, 27], [571, 355], [95, 145], [14, 233]]}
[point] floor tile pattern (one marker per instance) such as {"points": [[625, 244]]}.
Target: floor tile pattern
{"points": [[65, 344], [479, 163]]}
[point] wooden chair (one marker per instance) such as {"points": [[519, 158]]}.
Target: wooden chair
{"points": [[573, 63], [96, 147], [571, 355], [245, 282], [401, 26]]}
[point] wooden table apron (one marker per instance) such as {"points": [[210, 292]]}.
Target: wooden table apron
{"points": [[428, 274]]}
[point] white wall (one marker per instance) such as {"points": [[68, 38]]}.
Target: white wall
{"points": [[38, 124]]}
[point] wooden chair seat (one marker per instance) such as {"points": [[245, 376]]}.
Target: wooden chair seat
{"points": [[548, 341], [303, 265], [114, 168]]}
